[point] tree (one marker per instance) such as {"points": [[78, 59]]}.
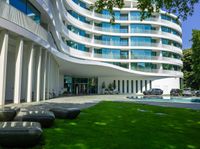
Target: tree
{"points": [[191, 63], [103, 86], [189, 81], [196, 55], [182, 8]]}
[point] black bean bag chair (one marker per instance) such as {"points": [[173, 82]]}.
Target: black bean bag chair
{"points": [[7, 114], [20, 134], [66, 113], [45, 118]]}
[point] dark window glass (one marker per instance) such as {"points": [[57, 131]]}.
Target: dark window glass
{"points": [[136, 86], [114, 84], [127, 86], [145, 85], [118, 85], [141, 84], [150, 83], [132, 88], [122, 86]]}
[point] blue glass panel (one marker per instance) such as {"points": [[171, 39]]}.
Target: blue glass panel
{"points": [[140, 28], [166, 41], [19, 4], [135, 15], [26, 7], [117, 15], [77, 46], [166, 17], [142, 54], [166, 29], [138, 41]]}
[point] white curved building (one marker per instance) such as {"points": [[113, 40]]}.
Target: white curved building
{"points": [[50, 47]]}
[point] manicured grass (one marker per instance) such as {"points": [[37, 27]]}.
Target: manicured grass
{"points": [[117, 125]]}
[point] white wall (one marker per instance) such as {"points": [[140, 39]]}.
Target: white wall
{"points": [[61, 82], [10, 73], [166, 84]]}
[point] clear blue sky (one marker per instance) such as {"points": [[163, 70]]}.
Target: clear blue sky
{"points": [[192, 22]]}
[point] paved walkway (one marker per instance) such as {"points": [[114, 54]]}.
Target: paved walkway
{"points": [[87, 101]]}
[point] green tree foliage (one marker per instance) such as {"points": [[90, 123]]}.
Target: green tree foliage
{"points": [[182, 8], [196, 56], [191, 63], [189, 81]]}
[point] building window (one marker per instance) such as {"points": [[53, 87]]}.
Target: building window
{"points": [[132, 86], [136, 86], [127, 85], [114, 84], [122, 86], [119, 86], [145, 85], [150, 84], [141, 84], [27, 8]]}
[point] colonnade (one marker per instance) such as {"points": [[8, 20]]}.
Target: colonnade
{"points": [[32, 71]]}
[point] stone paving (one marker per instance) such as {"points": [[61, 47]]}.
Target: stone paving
{"points": [[88, 101]]}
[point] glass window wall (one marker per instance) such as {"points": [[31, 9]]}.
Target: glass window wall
{"points": [[27, 7], [142, 28], [79, 86], [147, 67], [111, 53], [78, 31], [77, 46], [142, 54], [141, 41]]}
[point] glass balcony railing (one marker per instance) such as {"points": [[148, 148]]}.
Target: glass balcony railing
{"points": [[138, 18], [145, 57], [113, 30], [144, 31], [145, 69], [144, 44], [123, 18], [112, 43]]}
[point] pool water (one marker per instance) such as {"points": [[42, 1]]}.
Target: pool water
{"points": [[165, 99]]}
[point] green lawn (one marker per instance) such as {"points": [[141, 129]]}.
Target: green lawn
{"points": [[117, 125]]}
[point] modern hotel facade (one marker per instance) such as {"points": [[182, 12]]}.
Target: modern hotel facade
{"points": [[50, 47]]}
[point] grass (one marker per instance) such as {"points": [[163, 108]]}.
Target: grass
{"points": [[117, 125]]}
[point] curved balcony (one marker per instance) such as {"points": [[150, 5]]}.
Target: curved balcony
{"points": [[120, 32], [116, 58], [160, 71], [105, 18], [79, 57], [120, 45]]}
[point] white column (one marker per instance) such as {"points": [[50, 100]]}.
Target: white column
{"points": [[30, 73], [125, 86], [48, 75], [58, 79], [39, 75], [148, 85], [45, 75], [3, 65], [18, 70], [92, 52]]}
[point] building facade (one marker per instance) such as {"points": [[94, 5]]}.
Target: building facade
{"points": [[52, 47]]}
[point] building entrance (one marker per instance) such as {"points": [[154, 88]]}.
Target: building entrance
{"points": [[80, 86]]}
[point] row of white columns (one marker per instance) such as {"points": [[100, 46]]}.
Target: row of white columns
{"points": [[42, 58]]}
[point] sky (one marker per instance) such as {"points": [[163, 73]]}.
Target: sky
{"points": [[192, 22]]}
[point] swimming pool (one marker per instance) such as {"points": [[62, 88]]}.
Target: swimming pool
{"points": [[165, 99]]}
